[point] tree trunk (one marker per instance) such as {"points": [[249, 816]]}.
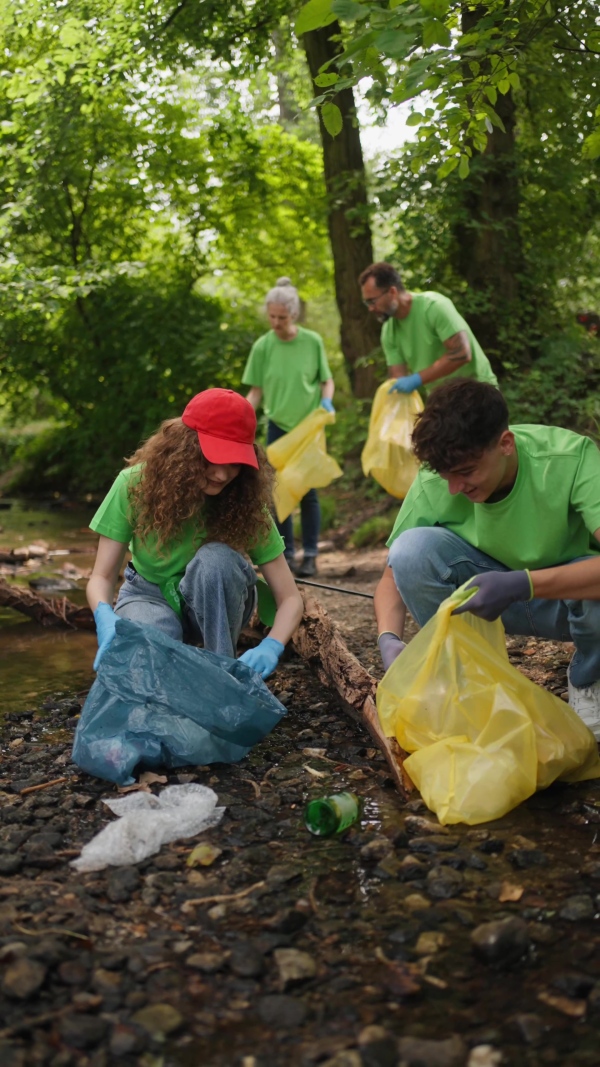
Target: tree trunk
{"points": [[348, 221], [490, 254]]}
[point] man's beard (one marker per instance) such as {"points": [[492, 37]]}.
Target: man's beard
{"points": [[383, 316]]}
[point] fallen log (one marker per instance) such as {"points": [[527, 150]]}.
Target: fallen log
{"points": [[21, 555], [58, 612], [318, 641]]}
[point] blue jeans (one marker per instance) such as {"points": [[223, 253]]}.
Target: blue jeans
{"points": [[218, 588], [310, 512], [429, 563]]}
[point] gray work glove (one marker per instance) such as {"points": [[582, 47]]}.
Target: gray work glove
{"points": [[390, 647], [496, 591]]}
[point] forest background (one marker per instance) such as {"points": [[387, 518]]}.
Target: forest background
{"points": [[164, 162]]}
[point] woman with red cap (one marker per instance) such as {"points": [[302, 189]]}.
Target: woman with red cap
{"points": [[192, 501]]}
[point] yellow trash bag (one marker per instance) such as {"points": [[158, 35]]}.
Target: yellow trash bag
{"points": [[387, 455], [483, 737], [301, 461]]}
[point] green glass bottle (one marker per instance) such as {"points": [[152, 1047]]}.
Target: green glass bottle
{"points": [[331, 815]]}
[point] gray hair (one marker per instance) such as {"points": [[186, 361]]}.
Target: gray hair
{"points": [[284, 293]]}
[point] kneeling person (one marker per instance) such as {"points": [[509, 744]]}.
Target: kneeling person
{"points": [[194, 498], [518, 507]]}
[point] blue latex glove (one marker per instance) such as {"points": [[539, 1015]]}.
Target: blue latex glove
{"points": [[496, 591], [264, 658], [105, 620], [328, 405], [390, 647], [407, 384]]}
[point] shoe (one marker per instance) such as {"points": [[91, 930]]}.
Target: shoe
{"points": [[586, 702], [308, 567], [292, 564]]}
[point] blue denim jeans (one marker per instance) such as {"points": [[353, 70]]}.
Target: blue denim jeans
{"points": [[218, 588], [429, 563], [310, 512]]}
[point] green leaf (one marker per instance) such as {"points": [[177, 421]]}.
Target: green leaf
{"points": [[71, 33], [437, 8], [447, 167], [504, 86], [434, 32], [415, 119], [314, 14], [323, 80], [349, 10], [491, 94], [395, 44], [591, 145], [463, 168], [514, 79], [332, 119]]}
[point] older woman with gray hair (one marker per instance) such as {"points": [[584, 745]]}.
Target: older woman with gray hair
{"points": [[288, 372]]}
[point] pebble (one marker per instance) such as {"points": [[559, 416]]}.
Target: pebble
{"points": [[82, 1031], [502, 941], [207, 962], [529, 1027], [22, 978], [577, 908], [444, 882], [294, 966], [158, 1019], [246, 961], [278, 1010], [432, 843], [523, 858], [484, 1056], [417, 1052], [122, 882]]}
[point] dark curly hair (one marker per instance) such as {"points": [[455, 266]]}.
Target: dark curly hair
{"points": [[461, 420], [170, 492]]}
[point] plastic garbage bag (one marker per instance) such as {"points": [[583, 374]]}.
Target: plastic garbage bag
{"points": [[301, 461], [161, 703], [387, 455], [147, 822], [483, 736]]}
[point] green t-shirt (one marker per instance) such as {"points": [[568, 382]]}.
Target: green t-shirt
{"points": [[113, 519], [290, 375], [418, 340], [548, 518]]}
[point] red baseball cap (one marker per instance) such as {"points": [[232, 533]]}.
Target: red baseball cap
{"points": [[226, 426]]}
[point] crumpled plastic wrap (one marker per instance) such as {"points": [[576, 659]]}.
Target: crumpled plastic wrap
{"points": [[159, 703], [146, 822]]}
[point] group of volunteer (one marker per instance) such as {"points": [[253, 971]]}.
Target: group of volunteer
{"points": [[514, 508]]}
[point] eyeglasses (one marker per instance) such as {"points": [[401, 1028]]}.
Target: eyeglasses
{"points": [[372, 300]]}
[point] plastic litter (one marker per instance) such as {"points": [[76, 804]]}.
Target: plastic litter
{"points": [[483, 736], [146, 822], [159, 703], [387, 455], [301, 461]]}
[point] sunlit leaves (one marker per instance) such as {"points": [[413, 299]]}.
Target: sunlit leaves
{"points": [[314, 14], [332, 119]]}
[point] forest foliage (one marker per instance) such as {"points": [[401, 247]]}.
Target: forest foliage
{"points": [[162, 165]]}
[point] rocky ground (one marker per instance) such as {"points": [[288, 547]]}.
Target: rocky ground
{"points": [[401, 943]]}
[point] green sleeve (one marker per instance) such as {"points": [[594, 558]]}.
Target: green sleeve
{"points": [[444, 319], [585, 494], [324, 370], [392, 353], [255, 366], [268, 548], [415, 511], [112, 518]]}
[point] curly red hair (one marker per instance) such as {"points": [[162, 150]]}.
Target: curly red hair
{"points": [[170, 492]]}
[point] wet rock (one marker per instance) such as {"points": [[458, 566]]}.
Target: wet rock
{"points": [[430, 942], [444, 882], [389, 867], [491, 845], [345, 1058], [246, 961], [294, 966], [412, 869], [376, 849], [577, 908], [417, 1052], [280, 1011], [22, 978], [126, 1039], [73, 972], [12, 1055], [573, 984], [500, 942], [83, 1031], [10, 864], [158, 1019], [529, 1027], [484, 1056], [416, 824], [432, 843], [523, 858], [106, 982], [207, 962], [122, 882]]}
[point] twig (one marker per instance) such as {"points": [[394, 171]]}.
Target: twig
{"points": [[311, 896], [222, 898], [51, 930], [254, 785], [44, 785]]}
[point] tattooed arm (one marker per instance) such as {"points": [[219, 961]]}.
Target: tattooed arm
{"points": [[457, 352]]}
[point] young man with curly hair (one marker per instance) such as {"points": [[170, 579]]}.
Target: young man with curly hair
{"points": [[191, 504], [516, 509]]}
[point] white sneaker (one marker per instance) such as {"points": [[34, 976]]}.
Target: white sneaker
{"points": [[586, 702]]}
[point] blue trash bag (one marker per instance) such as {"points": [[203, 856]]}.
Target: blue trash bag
{"points": [[161, 703]]}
